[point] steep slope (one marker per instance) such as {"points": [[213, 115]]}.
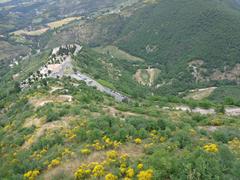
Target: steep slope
{"points": [[171, 34], [64, 129]]}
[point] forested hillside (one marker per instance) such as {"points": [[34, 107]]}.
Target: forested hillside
{"points": [[171, 34]]}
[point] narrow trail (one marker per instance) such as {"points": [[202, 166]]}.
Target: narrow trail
{"points": [[229, 111]]}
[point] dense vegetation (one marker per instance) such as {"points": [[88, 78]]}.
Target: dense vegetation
{"points": [[179, 31], [226, 94], [139, 141]]}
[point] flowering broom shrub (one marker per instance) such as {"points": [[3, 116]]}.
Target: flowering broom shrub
{"points": [[110, 176], [31, 175], [212, 148], [145, 175], [138, 141], [54, 163], [86, 151], [98, 170]]}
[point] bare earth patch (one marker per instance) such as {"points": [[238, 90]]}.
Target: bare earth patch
{"points": [[209, 128], [199, 94], [71, 165], [59, 23], [114, 112], [146, 76], [33, 121], [232, 111], [52, 25], [38, 102], [30, 33], [117, 53], [53, 89], [40, 131], [231, 74], [197, 70]]}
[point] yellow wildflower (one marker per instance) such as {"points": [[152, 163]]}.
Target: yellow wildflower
{"points": [[97, 146], [112, 154], [54, 163], [140, 166], [110, 176], [116, 144], [138, 141], [124, 157], [130, 173], [79, 174], [66, 152], [31, 175], [145, 175], [98, 170], [211, 148], [86, 151]]}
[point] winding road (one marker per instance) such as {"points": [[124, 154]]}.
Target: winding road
{"points": [[93, 83]]}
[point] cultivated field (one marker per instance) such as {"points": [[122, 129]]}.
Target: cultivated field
{"points": [[57, 24], [52, 25]]}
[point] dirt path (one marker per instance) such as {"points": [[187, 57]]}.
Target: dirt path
{"points": [[33, 121], [199, 94], [53, 89], [114, 112], [230, 111], [38, 102]]}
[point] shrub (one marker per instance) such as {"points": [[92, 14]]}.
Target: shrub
{"points": [[145, 175], [212, 148], [183, 138], [130, 172], [226, 134], [110, 176], [138, 141], [86, 151], [98, 170], [31, 174]]}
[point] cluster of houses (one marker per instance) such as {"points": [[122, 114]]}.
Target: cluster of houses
{"points": [[59, 59]]}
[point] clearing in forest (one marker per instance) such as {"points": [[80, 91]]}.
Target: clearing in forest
{"points": [[115, 52]]}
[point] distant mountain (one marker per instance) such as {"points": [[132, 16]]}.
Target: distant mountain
{"points": [[35, 13]]}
